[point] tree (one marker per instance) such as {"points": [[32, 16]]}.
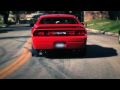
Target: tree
{"points": [[114, 15], [17, 16], [5, 16]]}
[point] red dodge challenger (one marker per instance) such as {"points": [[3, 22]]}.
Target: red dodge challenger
{"points": [[58, 32]]}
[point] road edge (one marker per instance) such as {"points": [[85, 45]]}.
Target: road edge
{"points": [[102, 32]]}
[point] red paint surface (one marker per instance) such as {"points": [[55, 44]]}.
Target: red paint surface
{"points": [[48, 41]]}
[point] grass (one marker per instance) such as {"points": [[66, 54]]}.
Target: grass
{"points": [[98, 21], [105, 25]]}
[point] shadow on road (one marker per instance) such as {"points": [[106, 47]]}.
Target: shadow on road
{"points": [[4, 30], [96, 51], [15, 37], [93, 51]]}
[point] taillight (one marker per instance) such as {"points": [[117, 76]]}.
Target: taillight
{"points": [[50, 33], [71, 33], [60, 33], [76, 33], [81, 33], [39, 33]]}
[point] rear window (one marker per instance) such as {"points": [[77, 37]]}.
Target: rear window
{"points": [[58, 21]]}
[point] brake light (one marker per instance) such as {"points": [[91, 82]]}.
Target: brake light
{"points": [[81, 33], [39, 33], [70, 32], [50, 33], [60, 33]]}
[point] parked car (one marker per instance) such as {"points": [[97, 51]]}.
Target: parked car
{"points": [[58, 32], [35, 18], [119, 36]]}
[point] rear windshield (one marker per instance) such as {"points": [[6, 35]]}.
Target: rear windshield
{"points": [[58, 21]]}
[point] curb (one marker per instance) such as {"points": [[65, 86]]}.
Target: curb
{"points": [[102, 32]]}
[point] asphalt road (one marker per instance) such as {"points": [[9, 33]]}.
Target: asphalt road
{"points": [[101, 62]]}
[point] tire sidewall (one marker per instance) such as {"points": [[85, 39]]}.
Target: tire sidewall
{"points": [[35, 52]]}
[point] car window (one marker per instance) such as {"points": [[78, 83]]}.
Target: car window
{"points": [[58, 21]]}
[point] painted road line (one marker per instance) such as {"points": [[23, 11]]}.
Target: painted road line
{"points": [[17, 60], [16, 67]]}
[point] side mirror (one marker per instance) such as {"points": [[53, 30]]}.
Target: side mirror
{"points": [[82, 23]]}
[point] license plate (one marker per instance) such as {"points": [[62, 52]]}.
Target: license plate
{"points": [[60, 33], [59, 45]]}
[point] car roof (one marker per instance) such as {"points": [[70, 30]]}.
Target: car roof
{"points": [[58, 15]]}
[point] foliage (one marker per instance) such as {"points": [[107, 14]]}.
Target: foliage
{"points": [[105, 25]]}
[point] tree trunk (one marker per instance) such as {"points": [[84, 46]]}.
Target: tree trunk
{"points": [[6, 15], [17, 18]]}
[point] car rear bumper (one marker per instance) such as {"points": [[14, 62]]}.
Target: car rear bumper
{"points": [[48, 43]]}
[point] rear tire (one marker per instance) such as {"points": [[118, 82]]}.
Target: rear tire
{"points": [[35, 52]]}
